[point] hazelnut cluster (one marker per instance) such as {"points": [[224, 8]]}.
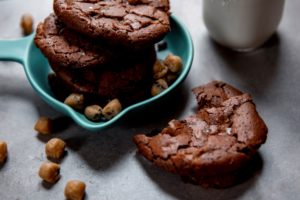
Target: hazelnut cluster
{"points": [[94, 112], [165, 72], [54, 149]]}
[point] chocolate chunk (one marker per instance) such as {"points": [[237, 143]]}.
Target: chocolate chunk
{"points": [[162, 45]]}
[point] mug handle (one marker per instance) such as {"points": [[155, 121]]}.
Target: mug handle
{"points": [[15, 49]]}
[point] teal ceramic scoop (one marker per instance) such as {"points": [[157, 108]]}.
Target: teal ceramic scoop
{"points": [[36, 67]]}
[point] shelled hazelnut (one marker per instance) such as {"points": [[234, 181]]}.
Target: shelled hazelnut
{"points": [[174, 63], [75, 101], [159, 86], [27, 24], [49, 172], [55, 148], [44, 125], [159, 70], [93, 112], [3, 151], [75, 190], [112, 109]]}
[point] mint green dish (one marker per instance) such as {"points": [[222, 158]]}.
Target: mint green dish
{"points": [[37, 69]]}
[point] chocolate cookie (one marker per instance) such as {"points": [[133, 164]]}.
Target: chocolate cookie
{"points": [[212, 146], [73, 50], [130, 82], [58, 88], [139, 23], [69, 48]]}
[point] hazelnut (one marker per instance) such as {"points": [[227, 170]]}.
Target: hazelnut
{"points": [[3, 151], [159, 86], [55, 148], [174, 63], [49, 172], [93, 112], [75, 101], [159, 69], [112, 109], [75, 190], [44, 125], [27, 24]]}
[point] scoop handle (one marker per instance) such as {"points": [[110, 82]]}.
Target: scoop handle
{"points": [[15, 49]]}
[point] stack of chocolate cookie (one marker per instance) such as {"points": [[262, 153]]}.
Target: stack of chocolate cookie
{"points": [[103, 49]]}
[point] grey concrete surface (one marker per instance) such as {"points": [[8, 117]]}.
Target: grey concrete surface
{"points": [[107, 160]]}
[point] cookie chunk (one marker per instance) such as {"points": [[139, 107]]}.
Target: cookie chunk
{"points": [[130, 23], [211, 147]]}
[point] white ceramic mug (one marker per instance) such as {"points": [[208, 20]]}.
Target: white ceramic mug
{"points": [[242, 25]]}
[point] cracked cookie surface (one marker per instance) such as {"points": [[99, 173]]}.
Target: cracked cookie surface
{"points": [[130, 23], [212, 145], [73, 50]]}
